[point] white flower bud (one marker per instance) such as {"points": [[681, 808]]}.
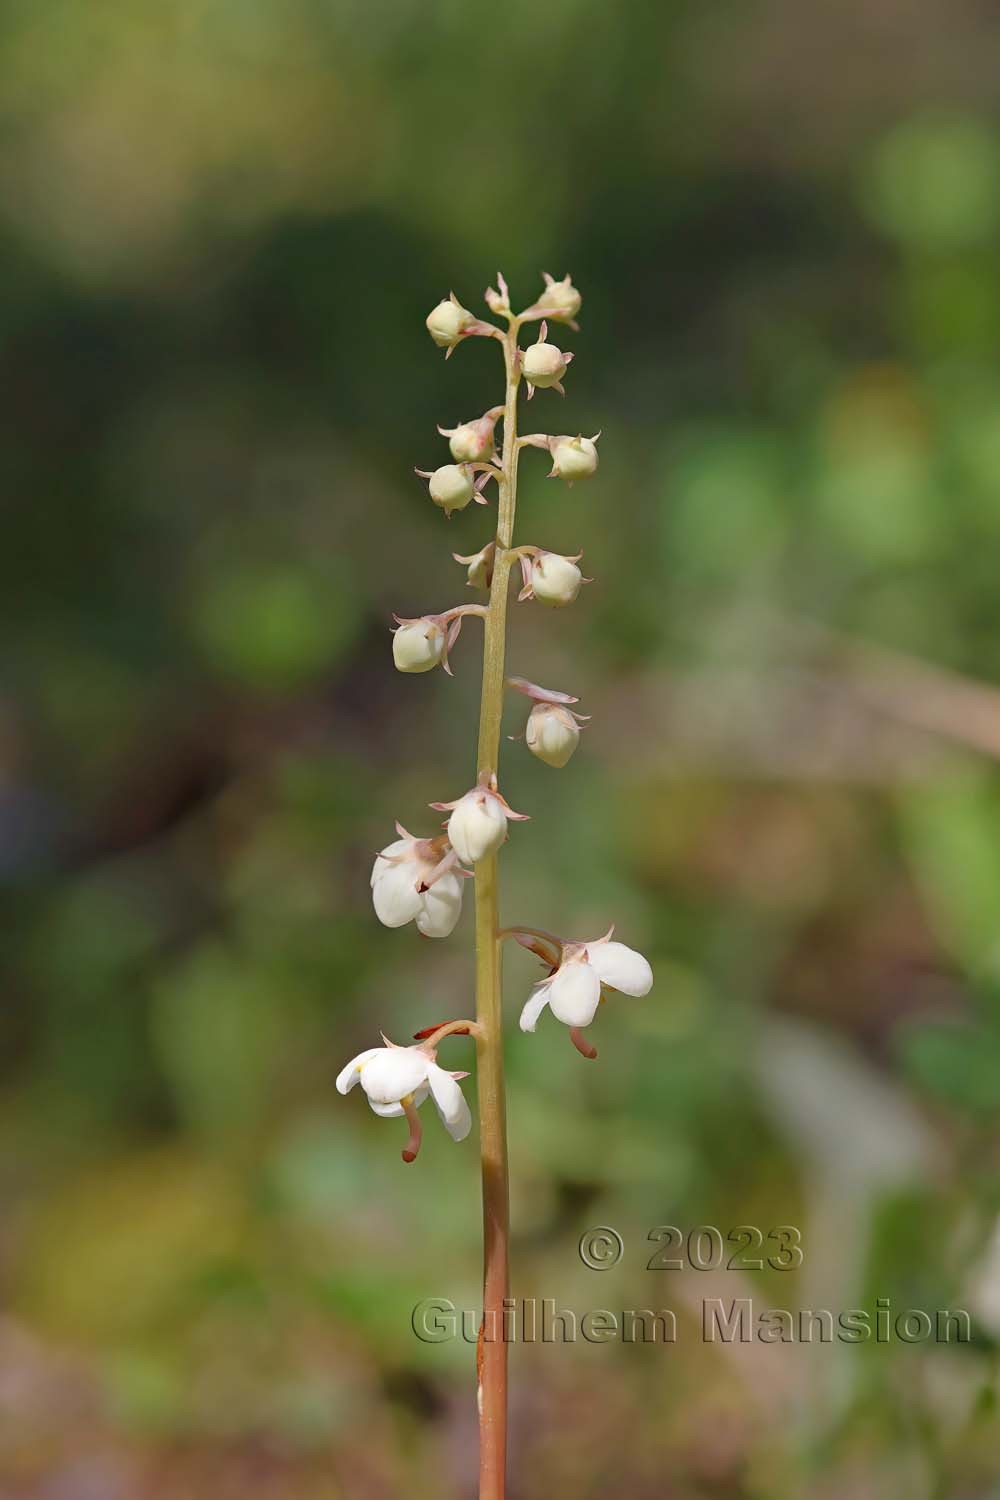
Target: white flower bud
{"points": [[452, 487], [418, 646], [560, 299], [552, 733], [478, 825], [447, 322], [472, 442], [555, 580], [543, 365], [480, 566], [573, 457]]}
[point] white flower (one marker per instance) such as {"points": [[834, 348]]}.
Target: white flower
{"points": [[480, 566], [478, 823], [419, 645], [451, 486], [560, 299], [573, 991], [552, 579], [447, 322], [544, 365], [418, 880], [397, 1080], [552, 733], [472, 442], [573, 457]]}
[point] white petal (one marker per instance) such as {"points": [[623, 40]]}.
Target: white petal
{"points": [[392, 1073], [394, 892], [450, 1101], [622, 968], [574, 994], [441, 907], [393, 1111], [535, 1004], [398, 846], [348, 1077]]}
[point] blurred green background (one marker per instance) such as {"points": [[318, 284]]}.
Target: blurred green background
{"points": [[222, 225]]}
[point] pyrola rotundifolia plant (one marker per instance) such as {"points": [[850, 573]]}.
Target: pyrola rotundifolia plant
{"points": [[421, 880]]}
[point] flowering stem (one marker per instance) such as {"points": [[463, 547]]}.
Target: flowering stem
{"points": [[492, 1361]]}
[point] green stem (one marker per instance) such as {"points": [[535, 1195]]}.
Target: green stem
{"points": [[492, 1361]]}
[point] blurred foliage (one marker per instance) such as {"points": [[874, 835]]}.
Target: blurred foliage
{"points": [[221, 228]]}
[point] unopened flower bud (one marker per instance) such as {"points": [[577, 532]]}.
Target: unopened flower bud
{"points": [[555, 580], [451, 486], [544, 365], [480, 566], [418, 645], [573, 457], [477, 827], [498, 301], [478, 823], [447, 322], [552, 733], [472, 442], [560, 299]]}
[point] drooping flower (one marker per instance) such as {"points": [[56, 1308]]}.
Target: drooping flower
{"points": [[420, 644], [552, 733], [478, 823], [573, 457], [480, 566], [397, 1080], [560, 300], [447, 322], [544, 365], [418, 880], [473, 442], [579, 975], [553, 728], [551, 578]]}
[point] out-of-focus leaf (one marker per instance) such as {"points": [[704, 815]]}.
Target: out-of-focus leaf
{"points": [[934, 182], [959, 1064], [951, 831]]}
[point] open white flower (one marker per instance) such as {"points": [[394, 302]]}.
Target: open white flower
{"points": [[418, 880], [574, 988], [397, 1080], [478, 823]]}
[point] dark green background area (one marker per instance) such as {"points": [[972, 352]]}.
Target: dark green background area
{"points": [[221, 228]]}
